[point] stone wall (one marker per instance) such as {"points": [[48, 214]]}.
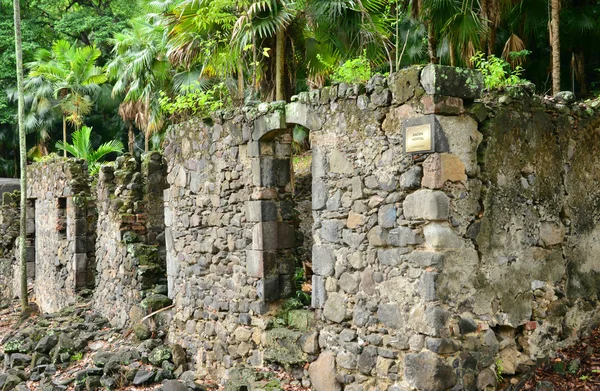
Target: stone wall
{"points": [[9, 231], [130, 270], [59, 193], [463, 261]]}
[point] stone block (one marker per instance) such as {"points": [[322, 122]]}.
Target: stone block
{"points": [[404, 236], [354, 220], [302, 114], [378, 236], [460, 136], [425, 258], [270, 172], [286, 285], [441, 167], [331, 230], [386, 216], [446, 105], [285, 236], [551, 233], [427, 286], [30, 254], [426, 205], [441, 237], [266, 126], [301, 319], [260, 264], [335, 308], [411, 179], [283, 150], [427, 372], [268, 288], [339, 163], [319, 165], [403, 84], [81, 244], [322, 373], [80, 266], [451, 81], [257, 211], [323, 260], [281, 345], [319, 294], [390, 315], [319, 194], [265, 236]]}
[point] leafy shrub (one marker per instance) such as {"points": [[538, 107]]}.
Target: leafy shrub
{"points": [[497, 72], [357, 70], [195, 102]]}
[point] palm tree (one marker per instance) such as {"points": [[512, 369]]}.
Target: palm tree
{"points": [[82, 148], [140, 71], [23, 154], [555, 43], [74, 76]]}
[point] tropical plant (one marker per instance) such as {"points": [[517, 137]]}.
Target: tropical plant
{"points": [[74, 76], [497, 72], [82, 148], [140, 71], [23, 158]]}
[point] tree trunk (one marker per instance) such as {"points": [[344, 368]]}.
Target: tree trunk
{"points": [[65, 133], [452, 54], [240, 80], [431, 43], [23, 156], [555, 43], [131, 138], [147, 142], [279, 65]]}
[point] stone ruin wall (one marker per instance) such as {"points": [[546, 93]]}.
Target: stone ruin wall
{"points": [[130, 268], [63, 243], [431, 271], [460, 261], [9, 232]]}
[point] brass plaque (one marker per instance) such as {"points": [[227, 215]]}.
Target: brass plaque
{"points": [[418, 138]]}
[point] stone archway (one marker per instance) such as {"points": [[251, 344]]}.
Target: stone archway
{"points": [[271, 206]]}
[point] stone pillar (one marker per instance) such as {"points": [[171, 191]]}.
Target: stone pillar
{"points": [[270, 208]]}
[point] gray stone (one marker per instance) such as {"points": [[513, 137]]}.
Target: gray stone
{"points": [[349, 282], [451, 81], [427, 286], [467, 325], [143, 377], [319, 294], [425, 258], [462, 138], [323, 260], [331, 230], [426, 205], [411, 179], [347, 335], [319, 194], [283, 346], [265, 124], [487, 380], [391, 257], [383, 98], [322, 373], [426, 372], [334, 202], [404, 236], [319, 167], [339, 164], [387, 216], [173, 385], [390, 315], [441, 345], [367, 360], [261, 211], [302, 114], [346, 360], [335, 308], [378, 236]]}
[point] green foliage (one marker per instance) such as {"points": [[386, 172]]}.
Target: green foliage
{"points": [[497, 72], [195, 102], [76, 357], [499, 370], [357, 70], [82, 148]]}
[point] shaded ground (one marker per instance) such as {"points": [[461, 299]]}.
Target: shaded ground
{"points": [[574, 368], [77, 350]]}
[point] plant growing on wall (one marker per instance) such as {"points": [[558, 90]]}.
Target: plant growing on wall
{"points": [[82, 148], [497, 72]]}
